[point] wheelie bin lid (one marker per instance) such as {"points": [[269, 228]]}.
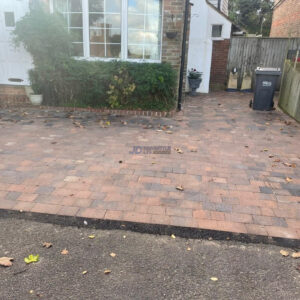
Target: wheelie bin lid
{"points": [[268, 71]]}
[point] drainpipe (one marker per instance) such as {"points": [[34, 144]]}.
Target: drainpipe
{"points": [[219, 4], [183, 51]]}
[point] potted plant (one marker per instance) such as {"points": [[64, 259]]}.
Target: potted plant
{"points": [[35, 95], [195, 79]]}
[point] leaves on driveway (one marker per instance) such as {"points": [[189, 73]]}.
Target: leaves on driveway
{"points": [[113, 254], [284, 253], [289, 179], [47, 245], [107, 271], [214, 278], [64, 252], [6, 261], [32, 258], [92, 236], [296, 255], [180, 188]]}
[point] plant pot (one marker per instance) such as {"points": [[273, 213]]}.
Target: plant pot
{"points": [[36, 99], [28, 90], [194, 85], [171, 34]]}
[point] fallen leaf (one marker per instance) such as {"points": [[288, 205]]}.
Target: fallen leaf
{"points": [[78, 124], [277, 160], [267, 123], [284, 253], [288, 179], [84, 272], [194, 150], [188, 249], [64, 252], [287, 122], [271, 156], [180, 188], [113, 254], [107, 123], [178, 150], [31, 291], [32, 258], [124, 122], [47, 245], [173, 236], [120, 161], [296, 255], [124, 236], [214, 278], [6, 261], [169, 132], [107, 271], [288, 165], [92, 236], [266, 150], [246, 146]]}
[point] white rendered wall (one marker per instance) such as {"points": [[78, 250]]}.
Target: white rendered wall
{"points": [[14, 63], [200, 41]]}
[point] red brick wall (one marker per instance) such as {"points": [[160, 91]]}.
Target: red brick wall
{"points": [[286, 19], [218, 73]]}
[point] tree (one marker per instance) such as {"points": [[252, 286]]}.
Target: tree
{"points": [[255, 16]]}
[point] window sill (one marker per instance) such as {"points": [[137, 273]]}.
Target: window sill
{"points": [[117, 59], [217, 39]]}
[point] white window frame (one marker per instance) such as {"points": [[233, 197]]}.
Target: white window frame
{"points": [[220, 37], [124, 35]]}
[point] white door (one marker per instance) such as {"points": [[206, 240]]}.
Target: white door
{"points": [[14, 63]]}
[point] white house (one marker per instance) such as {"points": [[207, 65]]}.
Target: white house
{"points": [[208, 24]]}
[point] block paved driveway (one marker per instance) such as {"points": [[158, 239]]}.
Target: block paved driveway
{"points": [[240, 169]]}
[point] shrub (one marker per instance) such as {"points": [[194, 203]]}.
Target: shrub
{"points": [[65, 81]]}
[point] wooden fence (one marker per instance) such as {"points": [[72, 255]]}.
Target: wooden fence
{"points": [[246, 54]]}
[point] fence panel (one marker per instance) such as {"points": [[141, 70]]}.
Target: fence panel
{"points": [[247, 53]]}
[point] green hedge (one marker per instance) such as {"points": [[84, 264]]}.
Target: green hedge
{"points": [[65, 81]]}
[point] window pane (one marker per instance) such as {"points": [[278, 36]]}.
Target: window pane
{"points": [[153, 23], [113, 51], [75, 6], [61, 5], [152, 52], [77, 49], [136, 21], [97, 20], [135, 36], [216, 30], [9, 19], [76, 20], [113, 6], [96, 5], [76, 35], [144, 29], [97, 35], [113, 36], [135, 51], [153, 7], [113, 21], [97, 50], [151, 38], [136, 6]]}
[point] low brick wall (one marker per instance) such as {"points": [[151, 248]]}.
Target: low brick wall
{"points": [[289, 100], [121, 112], [12, 96]]}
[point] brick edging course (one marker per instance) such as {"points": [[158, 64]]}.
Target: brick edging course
{"points": [[179, 231], [122, 112]]}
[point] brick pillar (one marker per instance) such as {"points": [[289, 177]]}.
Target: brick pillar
{"points": [[218, 71]]}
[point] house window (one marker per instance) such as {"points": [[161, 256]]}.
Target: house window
{"points": [[217, 31], [114, 29], [9, 19]]}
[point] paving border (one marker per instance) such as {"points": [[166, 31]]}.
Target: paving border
{"points": [[121, 112], [184, 232]]}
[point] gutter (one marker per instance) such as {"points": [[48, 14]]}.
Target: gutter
{"points": [[183, 54]]}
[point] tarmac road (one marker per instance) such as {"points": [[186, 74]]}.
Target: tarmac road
{"points": [[145, 266]]}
